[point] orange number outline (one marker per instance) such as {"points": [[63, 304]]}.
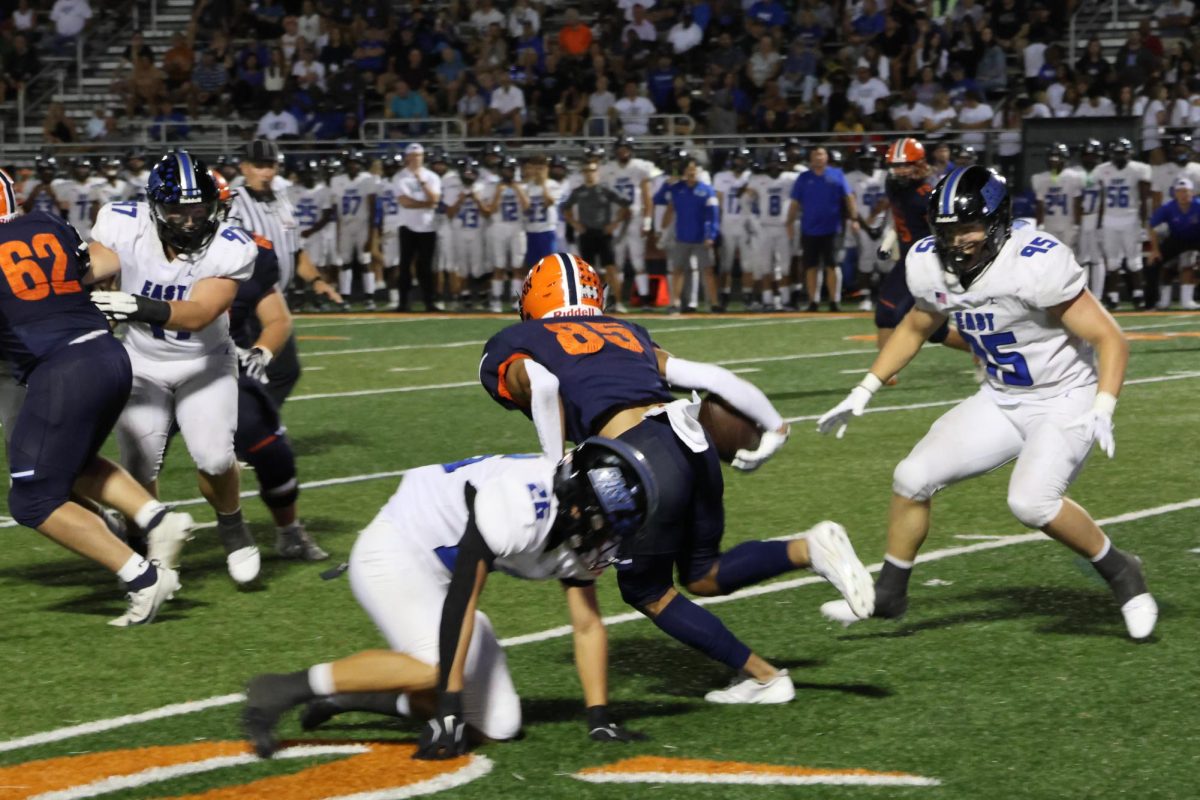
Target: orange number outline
{"points": [[585, 338]]}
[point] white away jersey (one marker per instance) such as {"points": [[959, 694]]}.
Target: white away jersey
{"points": [[514, 509], [1057, 194], [1005, 316], [627, 180], [452, 187], [729, 184], [1120, 191], [106, 192], [389, 207], [469, 217], [1090, 191], [508, 213], [868, 190], [350, 197], [127, 229], [771, 197], [309, 205], [78, 199], [542, 214]]}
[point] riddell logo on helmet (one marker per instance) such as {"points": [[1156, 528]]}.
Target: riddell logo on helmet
{"points": [[574, 311]]}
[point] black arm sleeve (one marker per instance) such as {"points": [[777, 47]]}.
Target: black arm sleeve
{"points": [[472, 551]]}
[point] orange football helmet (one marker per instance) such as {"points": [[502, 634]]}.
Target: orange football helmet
{"points": [[905, 151], [224, 193], [562, 285], [8, 198]]}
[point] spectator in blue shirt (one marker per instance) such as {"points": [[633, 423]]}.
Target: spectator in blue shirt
{"points": [[870, 21], [660, 83], [1181, 215], [690, 227], [769, 12], [821, 197]]}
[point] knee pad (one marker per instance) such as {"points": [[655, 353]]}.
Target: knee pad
{"points": [[644, 580], [274, 464], [910, 479], [1034, 510], [31, 502]]}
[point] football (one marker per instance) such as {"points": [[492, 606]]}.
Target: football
{"points": [[729, 429]]}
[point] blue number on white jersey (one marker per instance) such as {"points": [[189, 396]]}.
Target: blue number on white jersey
{"points": [[306, 212], [351, 202]]}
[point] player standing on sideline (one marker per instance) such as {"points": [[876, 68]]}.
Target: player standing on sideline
{"points": [[314, 220], [823, 191], [51, 335], [506, 202], [413, 571], [768, 193], [1090, 254], [1181, 215], [354, 198], [41, 193], [735, 229], [446, 278], [1055, 364], [137, 174], [464, 207], [541, 216], [1180, 165], [78, 197], [630, 178], [1125, 195], [596, 213], [418, 191], [387, 243], [261, 205], [1057, 190], [184, 264], [110, 188], [868, 182], [694, 220], [577, 373]]}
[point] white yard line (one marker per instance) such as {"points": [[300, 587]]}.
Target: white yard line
{"points": [[1175, 324], [393, 390], [177, 709]]}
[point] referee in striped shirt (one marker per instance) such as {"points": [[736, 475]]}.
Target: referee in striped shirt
{"points": [[261, 206]]}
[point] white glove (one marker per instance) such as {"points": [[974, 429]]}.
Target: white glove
{"points": [[666, 239], [1098, 423], [115, 305], [853, 406], [768, 445], [254, 361]]}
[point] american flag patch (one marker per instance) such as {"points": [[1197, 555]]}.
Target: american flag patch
{"points": [[940, 297]]}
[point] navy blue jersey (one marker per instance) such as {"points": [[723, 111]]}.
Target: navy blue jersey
{"points": [[910, 210], [262, 283], [602, 364], [43, 305]]}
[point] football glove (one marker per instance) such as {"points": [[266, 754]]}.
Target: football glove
{"points": [[125, 307], [254, 362], [602, 729], [853, 406], [445, 735], [1098, 424], [768, 445]]}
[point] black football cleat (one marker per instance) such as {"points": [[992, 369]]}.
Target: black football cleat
{"points": [[267, 697]]}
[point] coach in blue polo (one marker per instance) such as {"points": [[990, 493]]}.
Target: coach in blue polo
{"points": [[693, 219], [822, 198]]}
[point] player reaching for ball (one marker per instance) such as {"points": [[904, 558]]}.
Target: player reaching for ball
{"points": [[577, 373]]}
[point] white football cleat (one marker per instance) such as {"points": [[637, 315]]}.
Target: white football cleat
{"points": [[1141, 614], [833, 558], [243, 564], [839, 611], [748, 691], [165, 542], [144, 603]]}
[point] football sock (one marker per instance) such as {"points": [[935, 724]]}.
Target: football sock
{"points": [[1096, 283], [138, 573], [752, 562], [320, 679], [393, 297], [692, 625], [1114, 297], [767, 297], [642, 282], [1187, 293], [374, 702], [835, 291], [514, 288], [345, 282], [1121, 571], [232, 530], [1164, 297], [149, 515], [497, 289], [287, 691], [891, 587], [369, 284]]}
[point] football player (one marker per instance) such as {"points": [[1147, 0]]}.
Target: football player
{"points": [[541, 215], [181, 266], [41, 193], [1181, 216], [418, 569], [315, 217], [136, 174], [735, 229], [77, 377], [505, 202], [1124, 194], [353, 195], [1180, 165], [868, 183], [111, 187], [388, 223], [1056, 190], [577, 373], [261, 439], [630, 178], [1055, 364], [77, 197], [465, 208], [768, 194], [447, 273], [1090, 254]]}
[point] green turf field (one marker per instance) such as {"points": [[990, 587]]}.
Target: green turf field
{"points": [[1011, 675]]}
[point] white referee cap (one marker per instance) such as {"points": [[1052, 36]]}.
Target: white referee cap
{"points": [[415, 147]]}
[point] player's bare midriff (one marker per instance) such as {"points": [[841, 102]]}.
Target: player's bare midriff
{"points": [[625, 419]]}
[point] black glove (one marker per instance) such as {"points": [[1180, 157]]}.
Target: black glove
{"points": [[601, 729], [445, 736]]}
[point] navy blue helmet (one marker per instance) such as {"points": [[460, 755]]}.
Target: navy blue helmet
{"points": [[966, 196], [184, 202]]}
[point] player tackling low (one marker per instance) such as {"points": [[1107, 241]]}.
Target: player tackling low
{"points": [[1055, 363]]}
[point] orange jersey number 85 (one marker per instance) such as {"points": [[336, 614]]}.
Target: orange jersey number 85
{"points": [[26, 277], [582, 338]]}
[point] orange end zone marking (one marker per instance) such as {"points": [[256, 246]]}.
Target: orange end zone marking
{"points": [[703, 766], [659, 769], [1162, 337], [861, 337]]}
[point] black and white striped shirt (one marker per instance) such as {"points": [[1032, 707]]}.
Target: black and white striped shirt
{"points": [[273, 220]]}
